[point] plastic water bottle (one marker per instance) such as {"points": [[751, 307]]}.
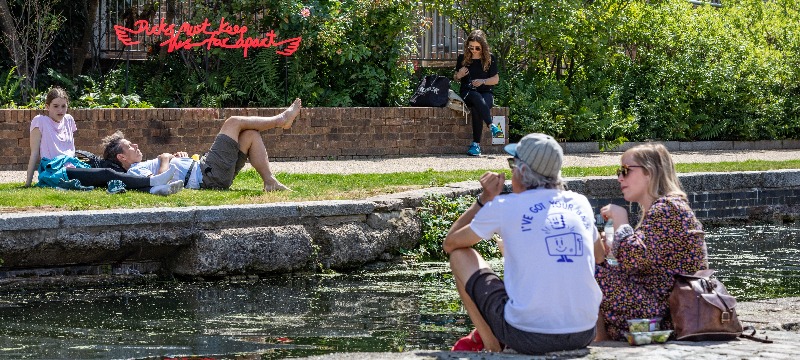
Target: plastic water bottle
{"points": [[609, 232]]}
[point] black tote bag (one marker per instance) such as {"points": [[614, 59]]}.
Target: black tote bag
{"points": [[432, 92]]}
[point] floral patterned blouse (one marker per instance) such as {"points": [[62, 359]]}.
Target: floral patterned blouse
{"points": [[668, 241]]}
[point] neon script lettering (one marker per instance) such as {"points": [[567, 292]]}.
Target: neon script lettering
{"points": [[226, 36]]}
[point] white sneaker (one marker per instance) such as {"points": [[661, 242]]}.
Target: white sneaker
{"points": [[168, 189]]}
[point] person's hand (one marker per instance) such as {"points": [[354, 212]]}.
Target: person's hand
{"points": [[165, 157], [616, 213], [492, 184], [181, 154], [462, 72], [478, 82]]}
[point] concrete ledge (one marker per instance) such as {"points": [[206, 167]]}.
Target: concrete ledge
{"points": [[673, 146], [306, 236]]}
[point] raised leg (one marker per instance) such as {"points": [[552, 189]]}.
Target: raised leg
{"points": [[236, 124], [251, 143], [465, 262]]}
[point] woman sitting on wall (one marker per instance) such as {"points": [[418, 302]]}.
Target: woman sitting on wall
{"points": [[476, 69]]}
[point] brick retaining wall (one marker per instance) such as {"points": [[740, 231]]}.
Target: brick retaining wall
{"points": [[319, 133]]}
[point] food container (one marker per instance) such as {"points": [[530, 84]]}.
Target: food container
{"points": [[655, 324], [648, 337], [638, 325], [644, 325]]}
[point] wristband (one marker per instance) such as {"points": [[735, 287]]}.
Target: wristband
{"points": [[478, 201], [623, 231]]}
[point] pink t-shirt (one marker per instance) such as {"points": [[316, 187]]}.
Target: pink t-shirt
{"points": [[57, 137]]}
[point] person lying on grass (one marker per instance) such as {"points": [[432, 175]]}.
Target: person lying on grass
{"points": [[238, 140]]}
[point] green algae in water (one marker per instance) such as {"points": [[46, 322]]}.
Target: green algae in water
{"points": [[757, 261], [399, 307]]}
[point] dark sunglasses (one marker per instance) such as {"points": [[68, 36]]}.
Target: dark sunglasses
{"points": [[512, 163], [625, 169], [476, 48]]}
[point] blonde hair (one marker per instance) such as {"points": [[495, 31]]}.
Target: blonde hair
{"points": [[479, 37], [55, 93], [657, 162]]}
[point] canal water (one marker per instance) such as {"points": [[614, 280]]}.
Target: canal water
{"points": [[396, 307]]}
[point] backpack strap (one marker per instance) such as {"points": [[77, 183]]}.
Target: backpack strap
{"points": [[752, 336]]}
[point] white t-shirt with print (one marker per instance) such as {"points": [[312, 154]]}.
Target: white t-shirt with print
{"points": [[548, 237], [150, 167]]}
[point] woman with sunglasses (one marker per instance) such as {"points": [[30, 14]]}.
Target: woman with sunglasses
{"points": [[667, 240], [476, 69]]}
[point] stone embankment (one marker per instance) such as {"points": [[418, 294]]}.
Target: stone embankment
{"points": [[308, 236]]}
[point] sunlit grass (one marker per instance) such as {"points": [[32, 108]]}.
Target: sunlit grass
{"points": [[307, 187]]}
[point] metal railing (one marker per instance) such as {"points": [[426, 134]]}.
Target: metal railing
{"points": [[441, 41]]}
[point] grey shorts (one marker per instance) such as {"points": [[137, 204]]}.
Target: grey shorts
{"points": [[221, 163], [488, 292]]}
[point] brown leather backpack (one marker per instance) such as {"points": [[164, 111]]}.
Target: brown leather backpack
{"points": [[702, 309]]}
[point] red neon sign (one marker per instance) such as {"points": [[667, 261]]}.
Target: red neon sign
{"points": [[233, 37]]}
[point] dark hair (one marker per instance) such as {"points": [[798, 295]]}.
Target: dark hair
{"points": [[479, 37], [55, 93], [112, 146]]}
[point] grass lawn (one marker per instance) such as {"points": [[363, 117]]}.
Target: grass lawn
{"points": [[307, 187]]}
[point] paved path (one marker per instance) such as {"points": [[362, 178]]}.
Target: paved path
{"points": [[487, 162], [777, 319]]}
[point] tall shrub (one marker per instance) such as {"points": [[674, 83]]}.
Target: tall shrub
{"points": [[351, 55], [705, 73]]}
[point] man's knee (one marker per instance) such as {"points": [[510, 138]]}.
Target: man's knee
{"points": [[231, 123], [465, 261]]}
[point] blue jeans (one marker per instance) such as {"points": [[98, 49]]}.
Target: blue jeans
{"points": [[479, 104]]}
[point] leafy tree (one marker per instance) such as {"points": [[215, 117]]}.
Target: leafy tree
{"points": [[29, 34]]}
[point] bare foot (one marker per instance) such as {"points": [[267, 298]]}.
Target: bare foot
{"points": [[275, 185], [291, 113]]}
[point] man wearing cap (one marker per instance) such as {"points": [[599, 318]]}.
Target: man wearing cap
{"points": [[548, 299]]}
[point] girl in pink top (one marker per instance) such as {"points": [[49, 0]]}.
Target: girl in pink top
{"points": [[52, 135]]}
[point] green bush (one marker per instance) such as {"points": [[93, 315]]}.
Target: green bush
{"points": [[438, 213], [352, 54], [9, 89], [613, 70]]}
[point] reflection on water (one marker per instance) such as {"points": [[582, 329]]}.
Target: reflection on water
{"points": [[396, 308], [758, 261]]}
